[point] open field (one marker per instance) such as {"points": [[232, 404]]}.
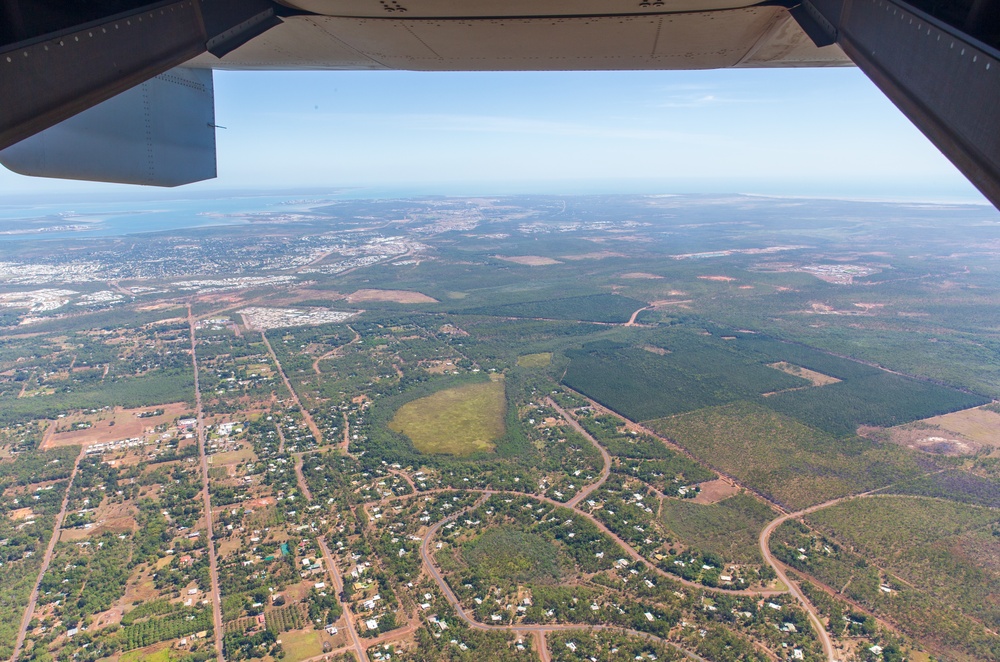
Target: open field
{"points": [[455, 421], [535, 360], [979, 425], [126, 424], [713, 491], [605, 308], [789, 462], [299, 645], [528, 260], [816, 378], [398, 296]]}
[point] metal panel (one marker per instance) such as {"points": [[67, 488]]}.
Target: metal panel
{"points": [[159, 133], [677, 41], [508, 8], [946, 83], [49, 80]]}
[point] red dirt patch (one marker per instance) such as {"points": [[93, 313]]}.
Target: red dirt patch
{"points": [[398, 296], [715, 491], [127, 425], [528, 260]]}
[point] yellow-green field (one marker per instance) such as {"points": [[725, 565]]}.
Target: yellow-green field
{"points": [[455, 421], [535, 360], [299, 645]]}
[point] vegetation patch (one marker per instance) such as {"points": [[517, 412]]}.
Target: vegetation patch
{"points": [[956, 485], [728, 528], [883, 399], [539, 360], [593, 308], [791, 463], [455, 421], [513, 554], [699, 371]]}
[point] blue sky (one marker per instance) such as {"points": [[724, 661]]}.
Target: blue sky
{"points": [[825, 132]]}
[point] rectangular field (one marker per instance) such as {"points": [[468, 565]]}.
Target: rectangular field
{"points": [[697, 373]]}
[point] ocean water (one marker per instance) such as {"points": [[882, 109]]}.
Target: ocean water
{"points": [[115, 218]]}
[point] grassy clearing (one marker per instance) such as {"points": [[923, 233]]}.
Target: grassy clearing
{"points": [[728, 528], [148, 655], [301, 645], [817, 378], [793, 464], [455, 421], [539, 360]]}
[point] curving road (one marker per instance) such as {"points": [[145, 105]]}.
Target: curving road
{"points": [[538, 630]]}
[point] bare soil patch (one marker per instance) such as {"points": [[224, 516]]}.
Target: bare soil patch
{"points": [[597, 255], [636, 275], [958, 433], [978, 425], [398, 296], [450, 330], [817, 378], [656, 350], [126, 425], [925, 438], [721, 279], [714, 491], [528, 260]]}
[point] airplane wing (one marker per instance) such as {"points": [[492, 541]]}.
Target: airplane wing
{"points": [[938, 62]]}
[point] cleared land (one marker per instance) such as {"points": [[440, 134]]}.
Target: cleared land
{"points": [[816, 378], [713, 491], [126, 425], [539, 360], [979, 425], [398, 296], [793, 464], [455, 421], [528, 260]]}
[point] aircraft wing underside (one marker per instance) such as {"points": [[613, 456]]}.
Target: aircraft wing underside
{"points": [[558, 35], [61, 63]]}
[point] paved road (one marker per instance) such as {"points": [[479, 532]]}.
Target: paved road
{"points": [[49, 550], [213, 567]]}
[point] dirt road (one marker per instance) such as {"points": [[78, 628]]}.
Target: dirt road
{"points": [[49, 550], [585, 492], [213, 567], [317, 435]]}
